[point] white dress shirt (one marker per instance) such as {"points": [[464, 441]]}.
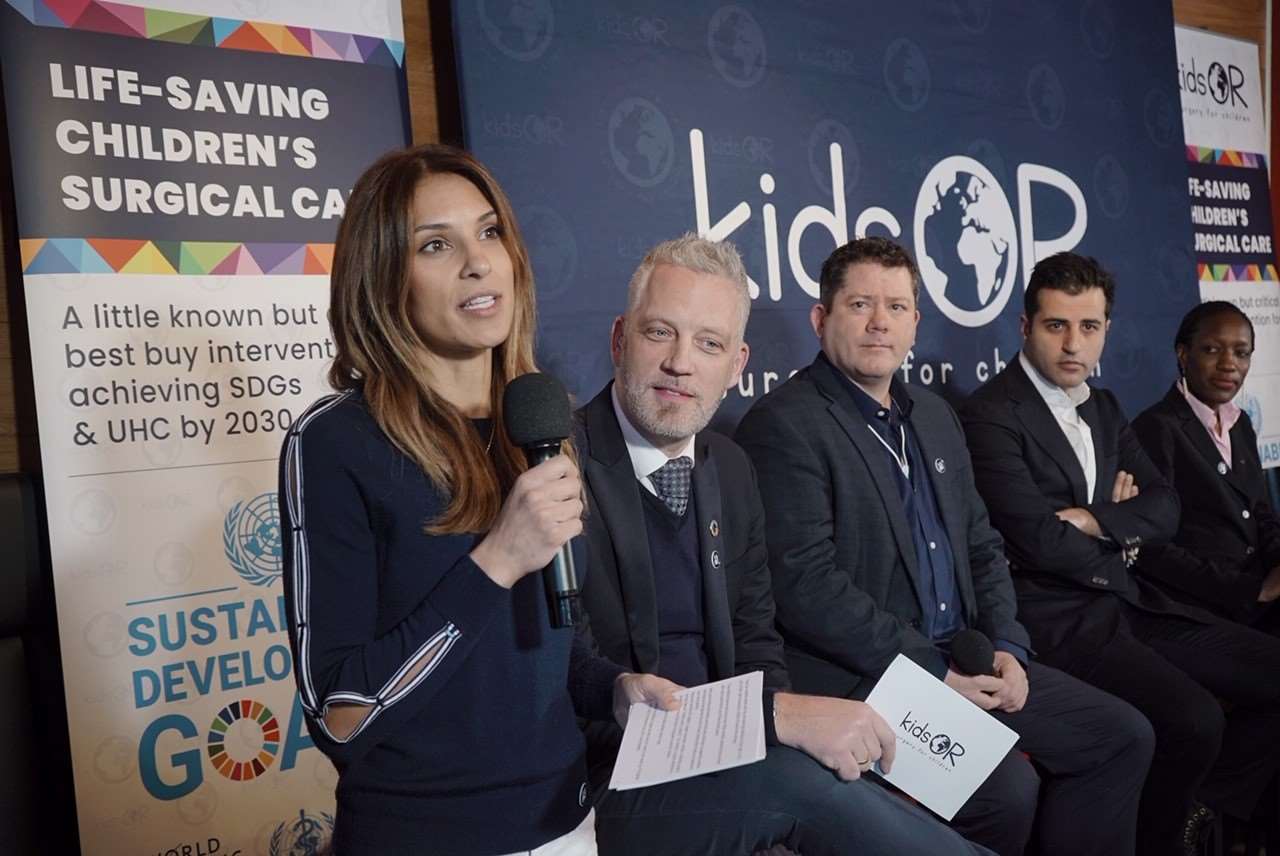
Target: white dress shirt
{"points": [[646, 458], [1062, 404]]}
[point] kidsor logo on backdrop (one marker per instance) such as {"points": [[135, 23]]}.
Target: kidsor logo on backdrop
{"points": [[967, 239], [251, 539]]}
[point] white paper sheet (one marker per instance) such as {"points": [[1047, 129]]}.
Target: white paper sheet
{"points": [[718, 726], [947, 745]]}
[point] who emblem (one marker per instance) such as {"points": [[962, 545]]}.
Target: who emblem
{"points": [[307, 836], [251, 539]]}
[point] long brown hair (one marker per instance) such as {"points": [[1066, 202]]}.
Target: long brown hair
{"points": [[378, 347]]}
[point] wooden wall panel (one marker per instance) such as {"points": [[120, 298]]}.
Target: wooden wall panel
{"points": [[435, 117]]}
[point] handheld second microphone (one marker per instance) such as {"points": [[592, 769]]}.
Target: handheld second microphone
{"points": [[537, 416], [973, 653]]}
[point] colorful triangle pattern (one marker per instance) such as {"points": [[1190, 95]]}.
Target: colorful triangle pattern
{"points": [[1225, 157], [127, 19], [196, 258], [1227, 273]]}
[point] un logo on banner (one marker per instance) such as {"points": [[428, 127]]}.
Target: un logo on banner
{"points": [[965, 240], [736, 44], [1250, 404], [307, 836], [521, 29], [641, 142], [251, 540]]}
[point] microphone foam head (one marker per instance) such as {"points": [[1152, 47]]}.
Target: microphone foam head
{"points": [[973, 652], [535, 410]]}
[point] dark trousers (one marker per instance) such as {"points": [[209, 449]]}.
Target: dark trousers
{"points": [[788, 798], [1078, 794], [1180, 673]]}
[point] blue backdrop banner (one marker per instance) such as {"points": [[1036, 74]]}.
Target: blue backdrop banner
{"points": [[984, 136]]}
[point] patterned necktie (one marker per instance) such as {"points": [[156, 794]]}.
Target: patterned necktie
{"points": [[672, 480]]}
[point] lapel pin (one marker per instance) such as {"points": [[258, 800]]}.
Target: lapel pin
{"points": [[1222, 468], [940, 465], [715, 558], [715, 528]]}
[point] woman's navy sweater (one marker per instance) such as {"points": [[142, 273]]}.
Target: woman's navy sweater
{"points": [[479, 751]]}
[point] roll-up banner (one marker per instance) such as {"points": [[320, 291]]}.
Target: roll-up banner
{"points": [[180, 168], [1226, 137]]}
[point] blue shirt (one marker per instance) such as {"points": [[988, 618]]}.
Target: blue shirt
{"points": [[942, 615]]}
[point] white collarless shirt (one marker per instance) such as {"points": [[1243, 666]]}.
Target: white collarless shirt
{"points": [[646, 458], [1062, 404]]}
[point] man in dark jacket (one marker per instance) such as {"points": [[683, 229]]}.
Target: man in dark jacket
{"points": [[679, 585], [1076, 498], [880, 545]]}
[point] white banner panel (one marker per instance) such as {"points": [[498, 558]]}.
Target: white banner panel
{"points": [[1230, 201]]}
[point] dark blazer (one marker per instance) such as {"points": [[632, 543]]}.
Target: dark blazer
{"points": [[845, 576], [1229, 536], [619, 592], [1026, 471]]}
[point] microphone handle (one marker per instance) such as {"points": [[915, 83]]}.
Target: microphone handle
{"points": [[560, 577]]}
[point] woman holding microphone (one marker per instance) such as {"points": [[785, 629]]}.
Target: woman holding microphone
{"points": [[424, 658]]}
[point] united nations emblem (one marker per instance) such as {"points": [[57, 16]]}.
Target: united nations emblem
{"points": [[251, 540], [307, 836]]}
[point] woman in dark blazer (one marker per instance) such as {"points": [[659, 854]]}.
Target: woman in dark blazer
{"points": [[1226, 554]]}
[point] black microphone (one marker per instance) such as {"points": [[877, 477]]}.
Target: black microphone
{"points": [[537, 416], [972, 653]]}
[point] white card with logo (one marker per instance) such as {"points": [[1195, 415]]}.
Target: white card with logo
{"points": [[719, 725], [947, 745]]}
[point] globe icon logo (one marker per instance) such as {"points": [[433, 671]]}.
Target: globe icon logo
{"points": [[985, 152], [114, 760], [308, 835], [1098, 28], [1219, 85], [641, 142], [521, 29], [736, 45], [825, 133], [93, 511], [105, 634], [940, 744], [251, 539], [1111, 186], [965, 241], [199, 806], [1046, 97], [974, 15], [1160, 117], [906, 75], [552, 250], [1127, 352]]}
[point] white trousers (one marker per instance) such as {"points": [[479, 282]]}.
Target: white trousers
{"points": [[578, 842]]}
